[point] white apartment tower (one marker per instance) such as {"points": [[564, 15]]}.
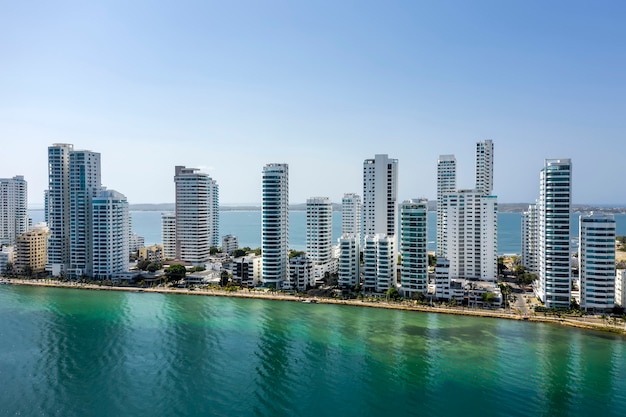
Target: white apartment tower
{"points": [[484, 166], [196, 212], [380, 195], [351, 214], [275, 225], [471, 239], [596, 257], [319, 229], [85, 184], [168, 230], [446, 183], [379, 263], [348, 270], [620, 287], [111, 232], [58, 207], [13, 209], [554, 281], [413, 246], [530, 224]]}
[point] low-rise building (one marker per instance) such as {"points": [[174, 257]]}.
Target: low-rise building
{"points": [[300, 273], [246, 270], [154, 253], [7, 256], [230, 244]]}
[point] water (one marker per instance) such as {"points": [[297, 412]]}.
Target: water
{"points": [[70, 352], [246, 225]]}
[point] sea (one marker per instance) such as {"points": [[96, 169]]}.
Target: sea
{"points": [[76, 353], [246, 225]]}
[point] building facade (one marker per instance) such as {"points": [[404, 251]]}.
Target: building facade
{"points": [[530, 240], [31, 250], [13, 209], [349, 264], [58, 208], [414, 247], [553, 286], [275, 224], [230, 244], [379, 263], [446, 183], [596, 257], [111, 234], [168, 231], [380, 195], [484, 166], [351, 214]]}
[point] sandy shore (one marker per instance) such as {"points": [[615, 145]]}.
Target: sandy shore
{"points": [[589, 322]]}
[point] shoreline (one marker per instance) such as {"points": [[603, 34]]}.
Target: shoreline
{"points": [[589, 323]]}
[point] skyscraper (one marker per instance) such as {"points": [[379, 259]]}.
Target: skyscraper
{"points": [[596, 257], [196, 209], [348, 270], [13, 208], [319, 238], [446, 182], [380, 195], [413, 246], [275, 225], [529, 239], [555, 196], [58, 208], [110, 242], [168, 230], [484, 166], [351, 214]]}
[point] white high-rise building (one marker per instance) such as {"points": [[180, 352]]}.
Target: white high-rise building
{"points": [[446, 183], [275, 225], [413, 246], [230, 244], [553, 287], [471, 245], [379, 263], [620, 287], [530, 225], [197, 208], [319, 229], [85, 184], [58, 208], [348, 274], [596, 257], [110, 246], [13, 208], [168, 230], [380, 195], [351, 214], [484, 166]]}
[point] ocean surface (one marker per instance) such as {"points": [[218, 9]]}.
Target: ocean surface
{"points": [[72, 352], [246, 225]]}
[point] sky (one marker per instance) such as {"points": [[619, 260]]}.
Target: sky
{"points": [[229, 86]]}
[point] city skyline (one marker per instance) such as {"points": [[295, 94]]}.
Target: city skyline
{"points": [[227, 88]]}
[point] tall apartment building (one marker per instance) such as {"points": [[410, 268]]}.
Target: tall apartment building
{"points": [[484, 166], [275, 225], [554, 280], [197, 211], [13, 208], [111, 233], [319, 239], [31, 250], [349, 264], [471, 238], [379, 263], [620, 287], [446, 182], [596, 257], [58, 207], [413, 247], [380, 195], [351, 214], [530, 228], [85, 184], [168, 230]]}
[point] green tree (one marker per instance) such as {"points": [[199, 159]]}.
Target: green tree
{"points": [[213, 250], [153, 267], [295, 253], [392, 293], [176, 272], [224, 278], [488, 297], [432, 260], [143, 265], [27, 271], [238, 253]]}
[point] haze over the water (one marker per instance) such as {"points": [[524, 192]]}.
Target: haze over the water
{"points": [[230, 86]]}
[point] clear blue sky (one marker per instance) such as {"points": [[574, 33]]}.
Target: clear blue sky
{"points": [[228, 86]]}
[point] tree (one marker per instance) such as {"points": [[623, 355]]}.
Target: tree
{"points": [[488, 297], [432, 260], [224, 278], [153, 267], [176, 272], [392, 293], [27, 271], [143, 265], [213, 250], [295, 253], [238, 253]]}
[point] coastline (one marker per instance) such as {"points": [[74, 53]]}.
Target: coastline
{"points": [[589, 323]]}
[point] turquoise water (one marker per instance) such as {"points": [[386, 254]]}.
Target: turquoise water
{"points": [[66, 352]]}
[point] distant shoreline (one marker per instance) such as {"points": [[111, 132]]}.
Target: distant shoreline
{"points": [[582, 323]]}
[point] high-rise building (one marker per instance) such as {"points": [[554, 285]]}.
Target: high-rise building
{"points": [[413, 247], [596, 257], [351, 214], [620, 287], [554, 280], [85, 184], [58, 208], [379, 263], [110, 237], [196, 211], [319, 239], [275, 225], [380, 195], [446, 182], [484, 166], [530, 224], [168, 230], [31, 250], [471, 238], [348, 274], [13, 208]]}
